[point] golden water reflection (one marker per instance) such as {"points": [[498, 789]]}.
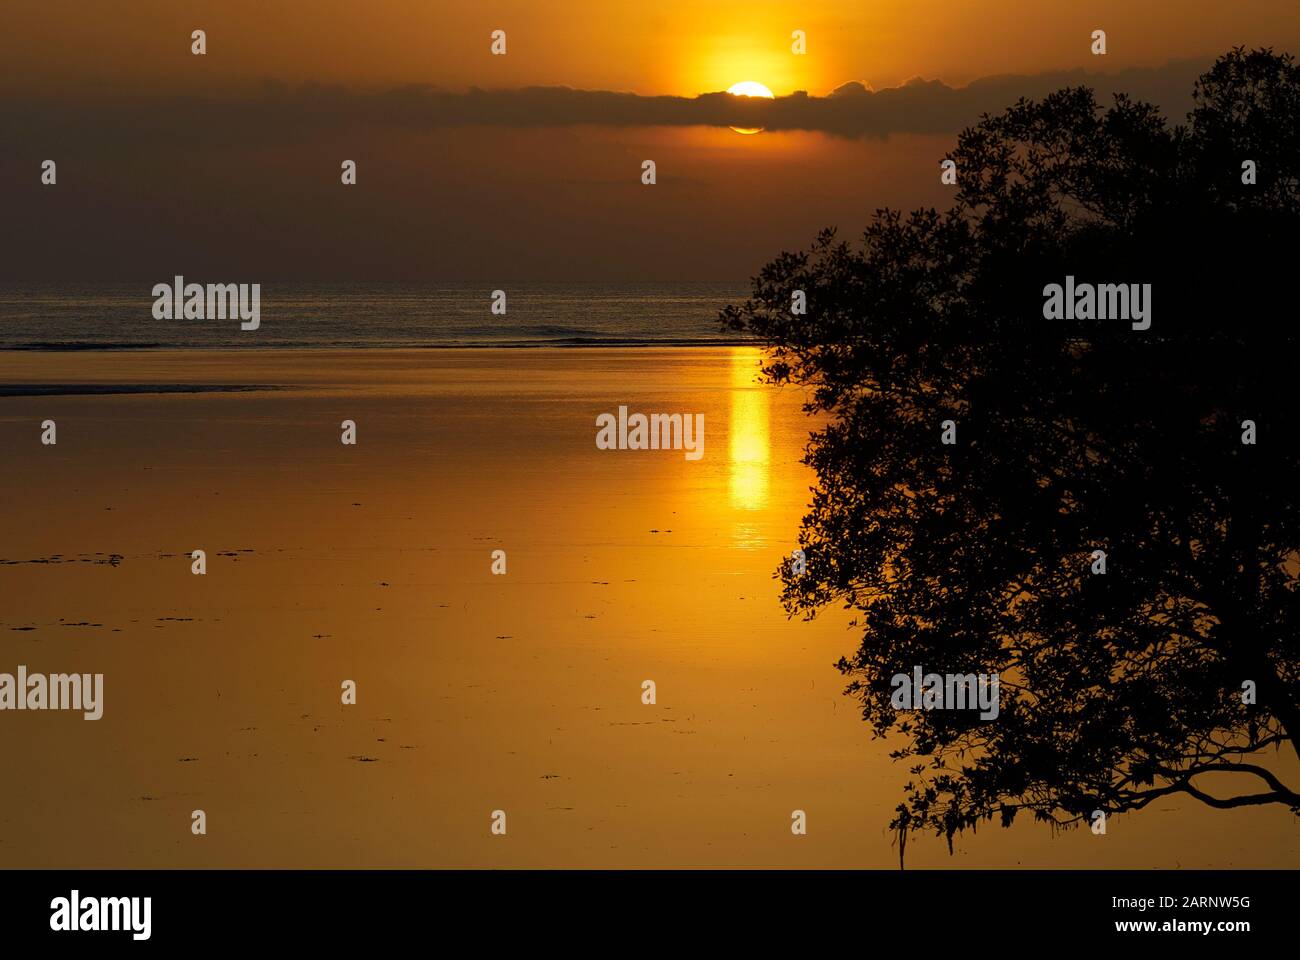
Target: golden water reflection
{"points": [[750, 432]]}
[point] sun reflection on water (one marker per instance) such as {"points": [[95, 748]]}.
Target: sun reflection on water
{"points": [[750, 432]]}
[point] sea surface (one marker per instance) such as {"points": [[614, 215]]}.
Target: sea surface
{"points": [[476, 691], [87, 316]]}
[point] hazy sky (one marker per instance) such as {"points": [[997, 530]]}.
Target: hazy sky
{"points": [[656, 46], [230, 162]]}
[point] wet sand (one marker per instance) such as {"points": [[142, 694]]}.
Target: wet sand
{"points": [[476, 692]]}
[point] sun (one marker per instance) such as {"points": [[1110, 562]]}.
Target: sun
{"points": [[749, 88]]}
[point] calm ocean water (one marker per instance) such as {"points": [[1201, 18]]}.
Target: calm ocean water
{"points": [[120, 316]]}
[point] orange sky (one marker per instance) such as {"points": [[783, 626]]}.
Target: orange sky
{"points": [[244, 178], [666, 46]]}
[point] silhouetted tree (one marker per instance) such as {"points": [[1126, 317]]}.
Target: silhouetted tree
{"points": [[1071, 437]]}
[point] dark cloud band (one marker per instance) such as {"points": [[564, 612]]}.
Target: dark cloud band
{"points": [[852, 110]]}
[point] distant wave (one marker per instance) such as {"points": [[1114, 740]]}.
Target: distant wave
{"points": [[556, 330], [578, 340], [601, 341], [95, 389], [76, 317], [79, 345]]}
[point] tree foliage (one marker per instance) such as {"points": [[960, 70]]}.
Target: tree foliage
{"points": [[1072, 436]]}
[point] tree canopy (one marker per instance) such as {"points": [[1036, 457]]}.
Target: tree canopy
{"points": [[1172, 449]]}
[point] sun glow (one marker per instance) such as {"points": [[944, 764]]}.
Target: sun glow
{"points": [[749, 88]]}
